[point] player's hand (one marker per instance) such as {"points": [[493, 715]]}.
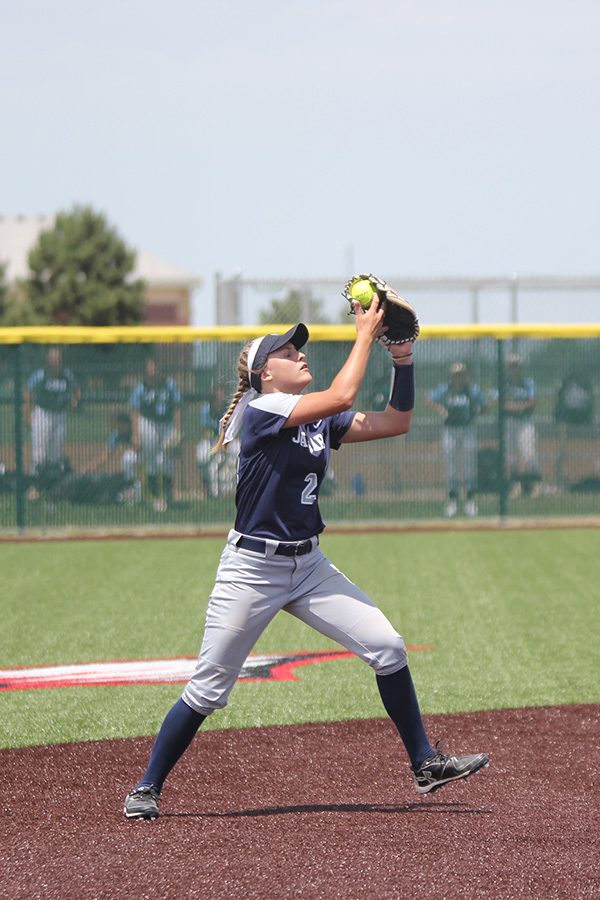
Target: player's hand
{"points": [[369, 322]]}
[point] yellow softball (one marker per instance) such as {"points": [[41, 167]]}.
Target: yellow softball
{"points": [[363, 292]]}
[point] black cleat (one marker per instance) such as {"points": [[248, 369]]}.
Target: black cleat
{"points": [[142, 803], [441, 769]]}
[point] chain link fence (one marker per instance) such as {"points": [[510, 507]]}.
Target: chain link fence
{"points": [[118, 435], [507, 299]]}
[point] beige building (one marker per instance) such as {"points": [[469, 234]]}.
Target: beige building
{"points": [[169, 289]]}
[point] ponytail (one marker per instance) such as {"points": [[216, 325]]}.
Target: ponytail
{"points": [[242, 387]]}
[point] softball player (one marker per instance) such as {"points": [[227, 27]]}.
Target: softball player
{"points": [[157, 422], [273, 561], [121, 455], [459, 403], [50, 392]]}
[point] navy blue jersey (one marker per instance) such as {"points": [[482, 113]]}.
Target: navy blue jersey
{"points": [[281, 469], [52, 392]]}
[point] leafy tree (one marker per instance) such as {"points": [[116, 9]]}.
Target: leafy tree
{"points": [[3, 293], [9, 305], [296, 307], [80, 275]]}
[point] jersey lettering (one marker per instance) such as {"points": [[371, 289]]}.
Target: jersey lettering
{"points": [[60, 385], [310, 436]]}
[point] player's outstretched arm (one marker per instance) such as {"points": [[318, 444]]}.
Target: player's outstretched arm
{"points": [[396, 417], [342, 392]]}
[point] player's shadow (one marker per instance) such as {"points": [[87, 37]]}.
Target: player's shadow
{"points": [[426, 806]]}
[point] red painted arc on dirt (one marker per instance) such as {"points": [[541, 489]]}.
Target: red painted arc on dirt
{"points": [[159, 671]]}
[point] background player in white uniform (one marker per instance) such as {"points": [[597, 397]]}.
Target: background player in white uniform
{"points": [[50, 392], [273, 561], [156, 404]]}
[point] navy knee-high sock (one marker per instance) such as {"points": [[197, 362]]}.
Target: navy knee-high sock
{"points": [[400, 700], [176, 733]]}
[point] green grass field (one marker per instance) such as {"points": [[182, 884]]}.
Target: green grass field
{"points": [[513, 617]]}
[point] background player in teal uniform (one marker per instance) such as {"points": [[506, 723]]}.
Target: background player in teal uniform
{"points": [[156, 405], [459, 403], [51, 392], [273, 561]]}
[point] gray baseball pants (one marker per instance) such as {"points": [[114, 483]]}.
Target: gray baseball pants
{"points": [[460, 453], [153, 438], [251, 588]]}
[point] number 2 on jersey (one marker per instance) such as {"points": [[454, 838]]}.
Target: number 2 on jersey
{"points": [[308, 497]]}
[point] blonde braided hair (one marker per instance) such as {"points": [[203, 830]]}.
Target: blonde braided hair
{"points": [[243, 386]]}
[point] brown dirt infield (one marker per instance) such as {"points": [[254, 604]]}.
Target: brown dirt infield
{"points": [[313, 811]]}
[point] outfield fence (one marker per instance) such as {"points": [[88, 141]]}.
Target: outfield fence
{"points": [[94, 436]]}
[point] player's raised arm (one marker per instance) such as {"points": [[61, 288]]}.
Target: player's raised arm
{"points": [[342, 392], [396, 417]]}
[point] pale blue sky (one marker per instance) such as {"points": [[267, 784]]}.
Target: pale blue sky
{"points": [[434, 137]]}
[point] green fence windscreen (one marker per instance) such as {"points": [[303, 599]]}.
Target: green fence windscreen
{"points": [[501, 427]]}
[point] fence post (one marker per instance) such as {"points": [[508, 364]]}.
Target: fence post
{"points": [[18, 410], [502, 480], [228, 300]]}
